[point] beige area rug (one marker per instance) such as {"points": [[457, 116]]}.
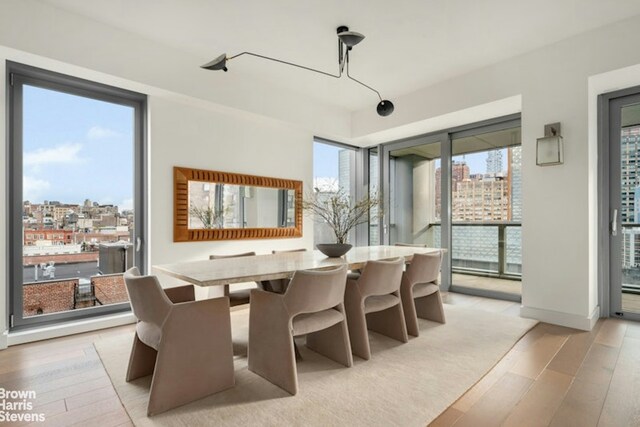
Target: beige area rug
{"points": [[403, 384]]}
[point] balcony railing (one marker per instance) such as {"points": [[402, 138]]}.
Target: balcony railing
{"points": [[492, 248]]}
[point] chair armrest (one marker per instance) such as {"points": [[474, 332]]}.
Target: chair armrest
{"points": [[260, 300], [188, 321], [267, 308], [180, 294]]}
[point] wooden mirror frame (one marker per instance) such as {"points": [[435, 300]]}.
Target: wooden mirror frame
{"points": [[181, 230]]}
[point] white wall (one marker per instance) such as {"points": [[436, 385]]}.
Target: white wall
{"points": [[559, 220], [183, 134]]}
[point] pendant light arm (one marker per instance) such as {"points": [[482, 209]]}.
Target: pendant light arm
{"points": [[287, 63], [358, 81]]}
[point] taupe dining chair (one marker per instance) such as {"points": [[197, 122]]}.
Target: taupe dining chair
{"points": [[373, 302], [185, 344], [236, 296], [420, 291], [279, 285], [311, 306], [412, 245]]}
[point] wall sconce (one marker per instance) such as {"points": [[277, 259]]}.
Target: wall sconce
{"points": [[549, 150]]}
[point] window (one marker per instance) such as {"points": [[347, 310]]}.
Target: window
{"points": [[77, 163], [333, 172]]}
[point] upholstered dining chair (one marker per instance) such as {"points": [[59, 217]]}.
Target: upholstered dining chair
{"points": [[313, 306], [236, 296], [420, 292], [372, 301], [412, 245], [185, 344], [279, 285]]}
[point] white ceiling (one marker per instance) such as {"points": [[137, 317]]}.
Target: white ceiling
{"points": [[410, 44]]}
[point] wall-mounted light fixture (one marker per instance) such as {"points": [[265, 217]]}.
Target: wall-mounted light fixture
{"points": [[549, 150]]}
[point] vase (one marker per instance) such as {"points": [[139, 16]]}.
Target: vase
{"points": [[334, 249]]}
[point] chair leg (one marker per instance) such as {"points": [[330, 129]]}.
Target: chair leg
{"points": [[142, 360], [357, 325], [176, 382], [333, 343], [389, 322], [271, 353], [409, 309], [430, 307], [195, 356]]}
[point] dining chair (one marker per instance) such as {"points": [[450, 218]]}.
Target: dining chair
{"points": [[420, 292], [279, 285], [312, 306], [237, 296], [412, 245], [372, 301], [184, 344]]}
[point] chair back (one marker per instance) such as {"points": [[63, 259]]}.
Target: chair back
{"points": [[424, 268], [288, 250], [412, 245], [148, 301], [232, 255], [381, 277], [313, 291]]}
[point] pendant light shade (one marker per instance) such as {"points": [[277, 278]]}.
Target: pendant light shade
{"points": [[346, 41], [385, 107], [350, 38], [220, 63]]}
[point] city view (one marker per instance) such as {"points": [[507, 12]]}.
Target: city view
{"points": [[77, 211], [73, 255]]}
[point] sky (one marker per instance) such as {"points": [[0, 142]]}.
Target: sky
{"points": [[325, 160], [76, 148]]}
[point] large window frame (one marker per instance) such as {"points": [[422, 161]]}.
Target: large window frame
{"points": [[19, 75], [358, 183], [445, 137]]}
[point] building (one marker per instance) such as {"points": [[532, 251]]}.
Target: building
{"points": [[494, 162], [630, 172], [47, 237], [480, 200]]}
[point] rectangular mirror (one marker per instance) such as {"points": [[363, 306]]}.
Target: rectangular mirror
{"points": [[212, 205]]}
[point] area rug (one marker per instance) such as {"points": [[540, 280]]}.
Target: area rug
{"points": [[403, 384]]}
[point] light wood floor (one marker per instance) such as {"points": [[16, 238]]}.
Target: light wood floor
{"points": [[553, 376], [556, 376]]}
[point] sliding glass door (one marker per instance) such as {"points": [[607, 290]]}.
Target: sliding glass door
{"points": [[416, 205], [624, 206], [486, 210], [460, 190]]}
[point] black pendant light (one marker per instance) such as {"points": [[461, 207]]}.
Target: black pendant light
{"points": [[346, 41]]}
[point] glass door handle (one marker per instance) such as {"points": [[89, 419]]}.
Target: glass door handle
{"points": [[614, 223], [138, 244]]}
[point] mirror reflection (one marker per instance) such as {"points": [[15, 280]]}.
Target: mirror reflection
{"points": [[221, 206]]}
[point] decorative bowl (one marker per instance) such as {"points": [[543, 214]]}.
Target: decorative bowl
{"points": [[334, 249]]}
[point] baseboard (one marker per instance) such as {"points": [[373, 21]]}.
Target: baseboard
{"points": [[71, 328], [563, 319], [3, 340]]}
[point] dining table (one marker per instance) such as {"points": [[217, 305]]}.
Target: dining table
{"points": [[220, 272]]}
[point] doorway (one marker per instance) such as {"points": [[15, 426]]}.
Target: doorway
{"points": [[461, 190], [622, 143]]}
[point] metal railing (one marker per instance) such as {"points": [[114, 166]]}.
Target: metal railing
{"points": [[490, 248]]}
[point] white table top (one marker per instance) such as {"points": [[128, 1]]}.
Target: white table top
{"points": [[278, 266]]}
